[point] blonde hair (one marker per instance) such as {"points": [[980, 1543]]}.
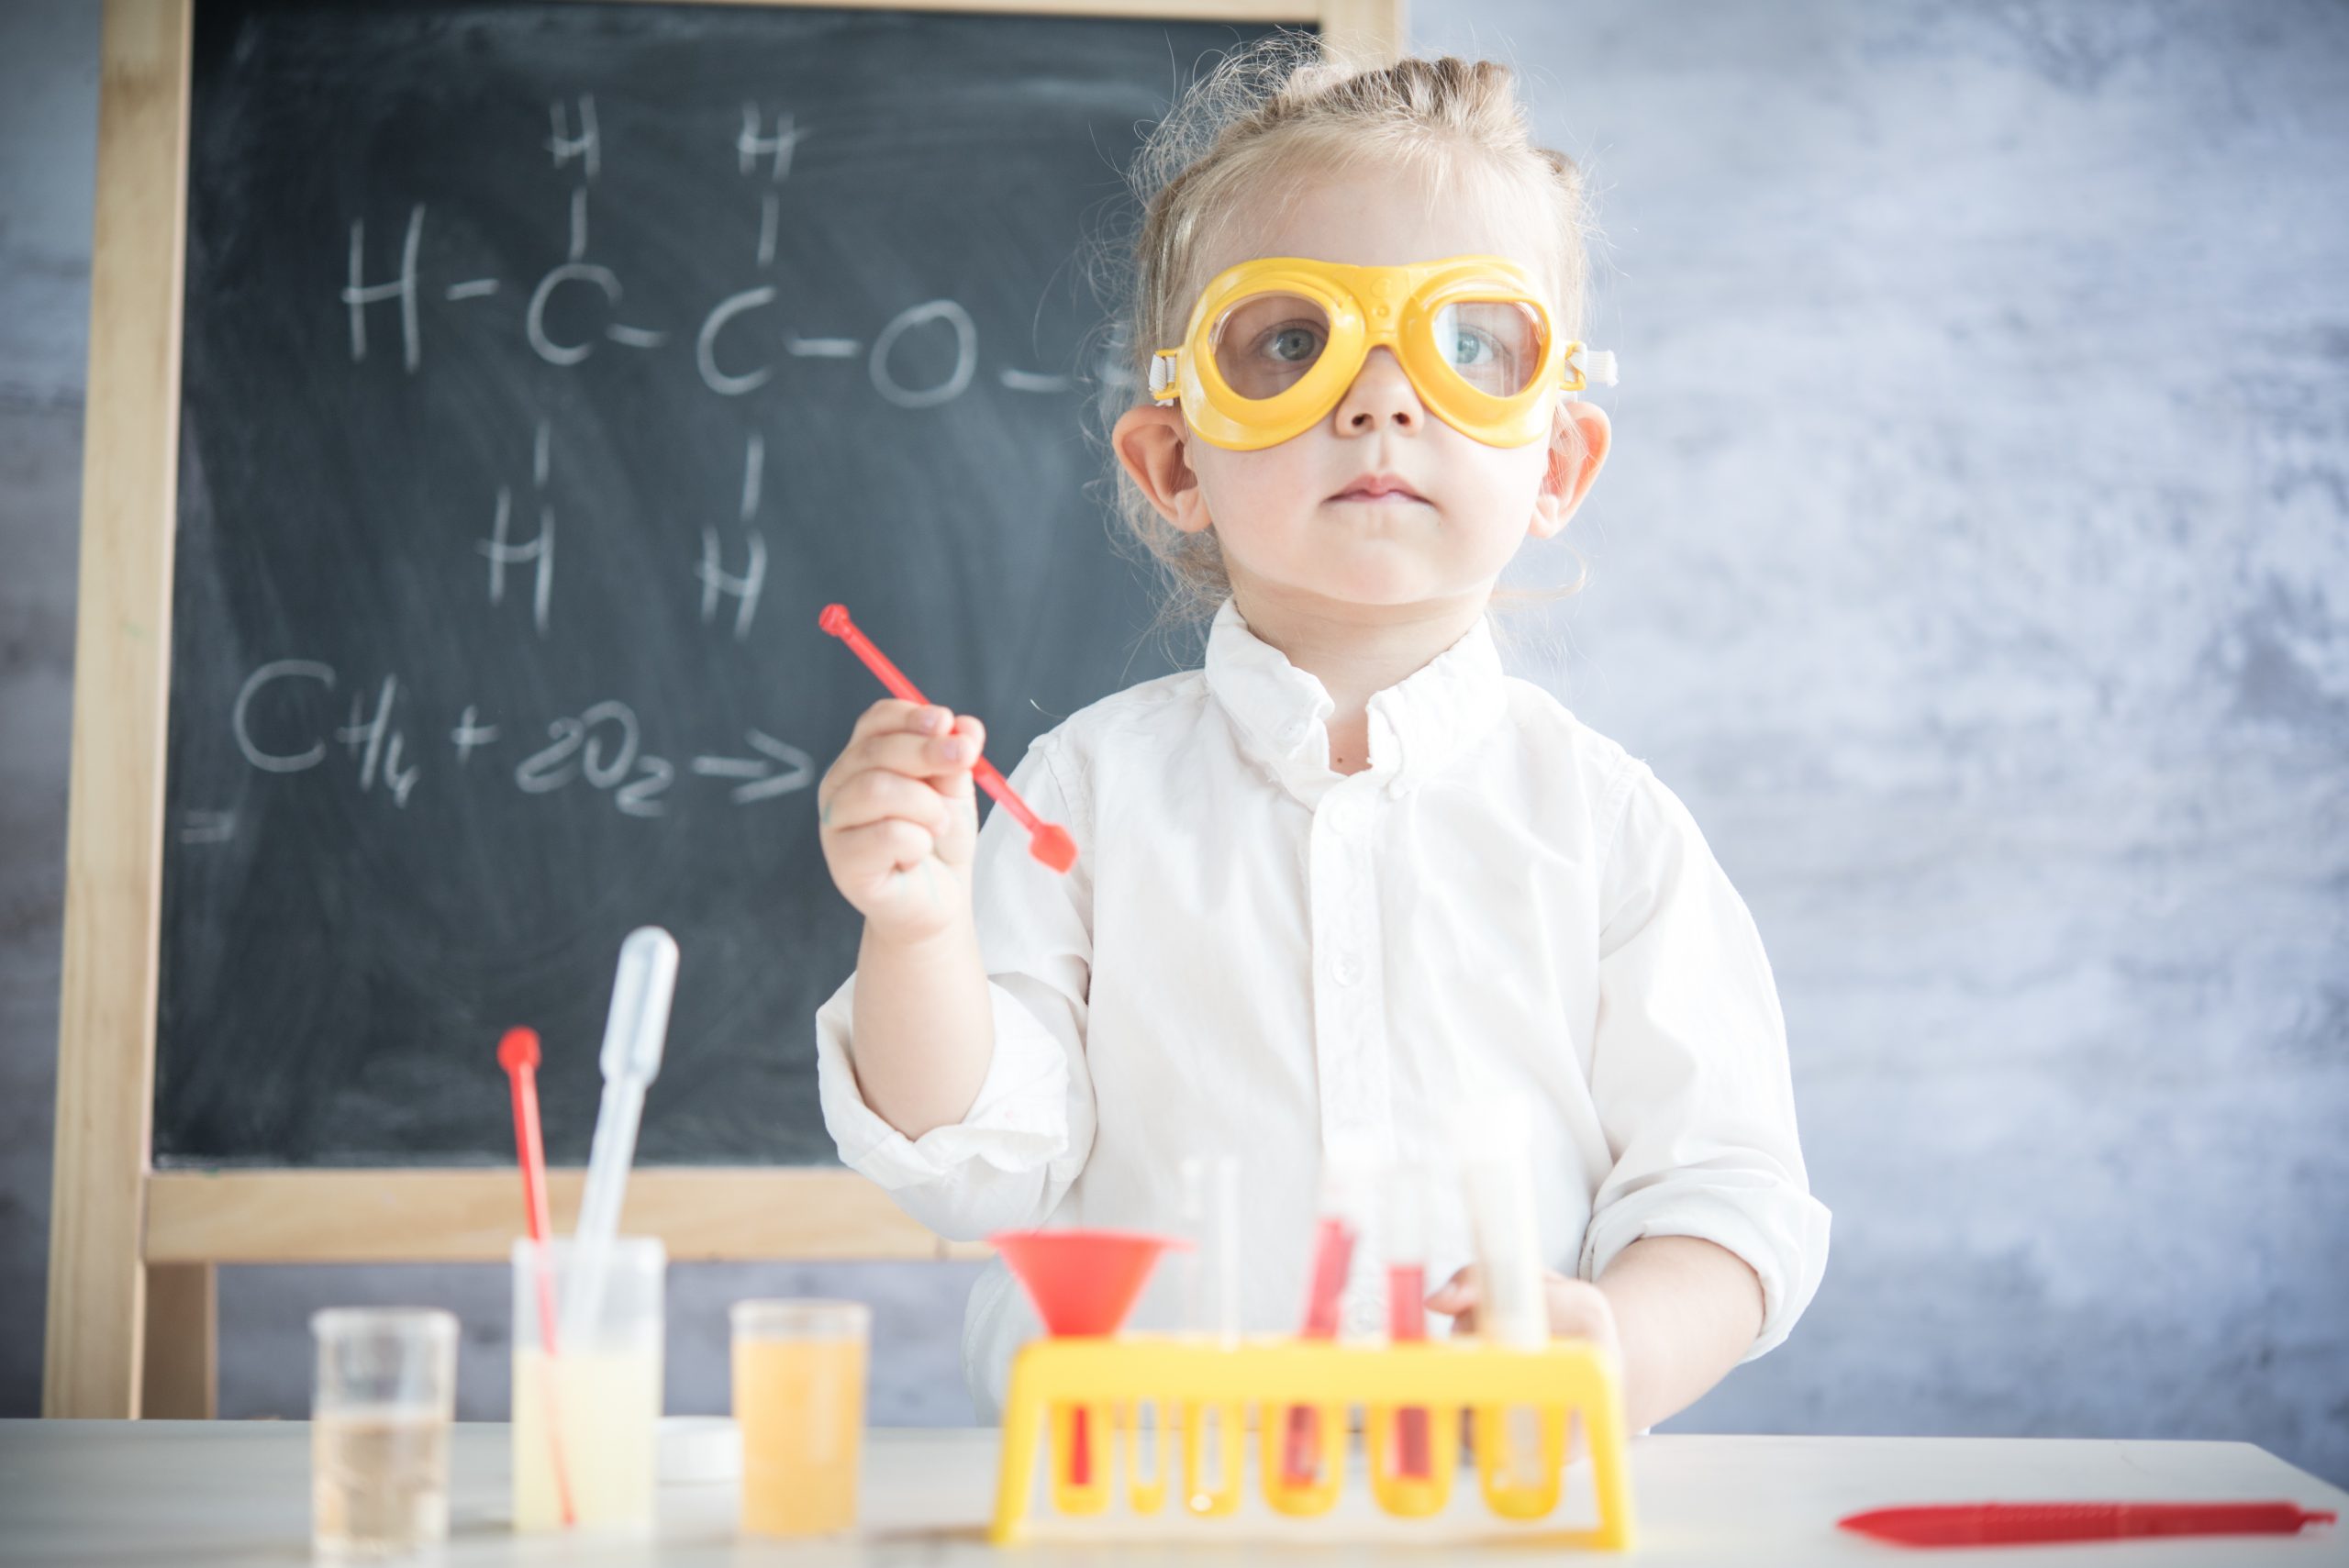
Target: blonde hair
{"points": [[1265, 112]]}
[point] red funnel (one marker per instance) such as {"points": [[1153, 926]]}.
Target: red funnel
{"points": [[1083, 1282]]}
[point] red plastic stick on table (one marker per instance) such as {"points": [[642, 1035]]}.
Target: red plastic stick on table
{"points": [[519, 1054], [2014, 1524], [1047, 842]]}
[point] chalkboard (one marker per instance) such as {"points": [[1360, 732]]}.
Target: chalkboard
{"points": [[547, 369]]}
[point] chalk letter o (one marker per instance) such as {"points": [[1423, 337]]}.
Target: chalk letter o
{"points": [[966, 354]]}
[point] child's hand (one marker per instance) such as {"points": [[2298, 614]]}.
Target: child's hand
{"points": [[898, 819], [1578, 1308]]}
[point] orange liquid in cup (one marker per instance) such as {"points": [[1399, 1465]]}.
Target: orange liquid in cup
{"points": [[800, 1404]]}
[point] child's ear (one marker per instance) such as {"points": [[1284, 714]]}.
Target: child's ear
{"points": [[1149, 442], [1578, 446]]}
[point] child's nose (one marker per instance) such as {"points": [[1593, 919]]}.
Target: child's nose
{"points": [[1381, 399]]}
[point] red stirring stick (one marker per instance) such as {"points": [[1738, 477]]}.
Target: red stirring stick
{"points": [[2015, 1524], [519, 1054], [1047, 842]]}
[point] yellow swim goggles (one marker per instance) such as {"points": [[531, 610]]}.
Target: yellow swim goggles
{"points": [[1275, 343]]}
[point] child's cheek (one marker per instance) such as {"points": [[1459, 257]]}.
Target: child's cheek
{"points": [[1253, 495]]}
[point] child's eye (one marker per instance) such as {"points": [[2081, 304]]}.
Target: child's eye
{"points": [[1493, 345], [1292, 344], [1268, 343], [1471, 349]]}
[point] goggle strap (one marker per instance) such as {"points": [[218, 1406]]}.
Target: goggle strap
{"points": [[1593, 366], [1162, 373]]}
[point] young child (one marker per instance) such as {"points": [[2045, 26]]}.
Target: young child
{"points": [[1349, 874]]}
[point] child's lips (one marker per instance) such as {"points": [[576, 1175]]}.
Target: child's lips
{"points": [[1368, 495]]}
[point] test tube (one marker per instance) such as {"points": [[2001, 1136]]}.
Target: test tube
{"points": [[1211, 1209], [1493, 1144], [1406, 1216], [1345, 1230], [1308, 1482]]}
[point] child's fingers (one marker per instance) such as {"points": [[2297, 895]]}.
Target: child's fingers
{"points": [[1456, 1299], [890, 712], [965, 742], [864, 855], [1460, 1290], [876, 794], [887, 716], [910, 751]]}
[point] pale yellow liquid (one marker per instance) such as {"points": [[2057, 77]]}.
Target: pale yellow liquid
{"points": [[379, 1482], [800, 1404], [609, 1404]]}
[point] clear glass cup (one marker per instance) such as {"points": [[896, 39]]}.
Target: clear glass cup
{"points": [[380, 1409], [799, 1400], [586, 1418]]}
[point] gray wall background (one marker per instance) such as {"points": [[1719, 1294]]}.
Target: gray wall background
{"points": [[1974, 560]]}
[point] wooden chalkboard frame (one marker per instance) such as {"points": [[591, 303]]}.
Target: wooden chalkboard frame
{"points": [[132, 1250]]}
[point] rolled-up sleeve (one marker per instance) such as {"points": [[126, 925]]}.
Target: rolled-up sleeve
{"points": [[1007, 1162], [1689, 1071]]}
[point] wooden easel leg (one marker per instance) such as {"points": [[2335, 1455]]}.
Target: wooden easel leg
{"points": [[182, 1382], [90, 1361], [122, 643]]}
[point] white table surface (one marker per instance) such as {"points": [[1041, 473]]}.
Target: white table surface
{"points": [[208, 1495]]}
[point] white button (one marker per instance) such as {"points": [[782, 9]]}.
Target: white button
{"points": [[1346, 970], [1293, 734]]}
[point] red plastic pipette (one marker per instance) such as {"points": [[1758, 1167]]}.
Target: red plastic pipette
{"points": [[2017, 1524], [519, 1054], [1047, 842]]}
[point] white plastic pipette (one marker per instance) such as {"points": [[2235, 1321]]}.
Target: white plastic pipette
{"points": [[634, 1032]]}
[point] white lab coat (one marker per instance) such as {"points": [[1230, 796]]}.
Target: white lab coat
{"points": [[1256, 954]]}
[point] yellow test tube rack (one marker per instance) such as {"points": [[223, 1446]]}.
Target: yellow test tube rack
{"points": [[1193, 1382]]}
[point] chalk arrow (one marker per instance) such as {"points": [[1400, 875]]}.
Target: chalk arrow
{"points": [[761, 781]]}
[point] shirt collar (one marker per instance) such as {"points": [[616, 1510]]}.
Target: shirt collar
{"points": [[1416, 726]]}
